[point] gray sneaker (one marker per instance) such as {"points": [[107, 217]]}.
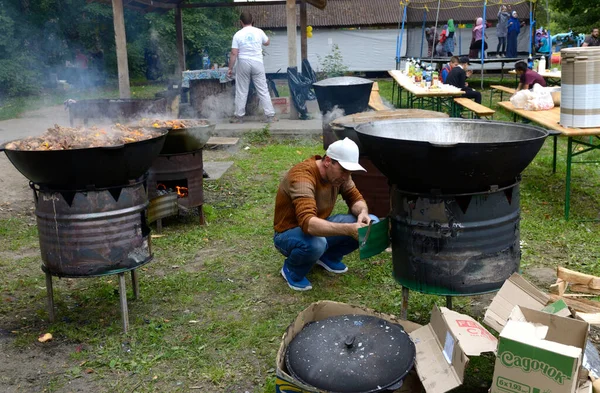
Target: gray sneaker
{"points": [[271, 119]]}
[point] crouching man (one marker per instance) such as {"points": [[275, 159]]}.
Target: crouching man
{"points": [[305, 232]]}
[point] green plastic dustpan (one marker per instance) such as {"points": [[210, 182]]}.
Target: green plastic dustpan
{"points": [[374, 238]]}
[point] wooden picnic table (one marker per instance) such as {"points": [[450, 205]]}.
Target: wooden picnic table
{"points": [[435, 98], [579, 140]]}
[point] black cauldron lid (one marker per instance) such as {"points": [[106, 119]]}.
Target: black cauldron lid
{"points": [[351, 353]]}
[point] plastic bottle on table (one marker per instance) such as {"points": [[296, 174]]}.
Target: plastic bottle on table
{"points": [[542, 65], [530, 62]]}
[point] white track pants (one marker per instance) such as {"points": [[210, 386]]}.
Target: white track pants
{"points": [[247, 70]]}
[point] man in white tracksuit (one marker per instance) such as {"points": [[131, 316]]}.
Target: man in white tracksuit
{"points": [[246, 51]]}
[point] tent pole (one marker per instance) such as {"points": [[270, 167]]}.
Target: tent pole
{"points": [[483, 40], [549, 62], [423, 33], [399, 43], [530, 26], [399, 35], [437, 15], [459, 41]]}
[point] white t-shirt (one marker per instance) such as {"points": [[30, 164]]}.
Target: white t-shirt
{"points": [[249, 41]]}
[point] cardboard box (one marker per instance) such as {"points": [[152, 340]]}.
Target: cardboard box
{"points": [[539, 353], [443, 346], [516, 291]]}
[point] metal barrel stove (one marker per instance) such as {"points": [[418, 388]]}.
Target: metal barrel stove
{"points": [[93, 233], [455, 244], [455, 200]]}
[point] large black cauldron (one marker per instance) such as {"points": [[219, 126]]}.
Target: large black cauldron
{"points": [[349, 93], [95, 167], [450, 155]]}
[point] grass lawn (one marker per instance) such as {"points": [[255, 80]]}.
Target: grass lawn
{"points": [[213, 306]]}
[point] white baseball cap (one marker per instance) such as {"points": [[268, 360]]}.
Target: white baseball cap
{"points": [[346, 153]]}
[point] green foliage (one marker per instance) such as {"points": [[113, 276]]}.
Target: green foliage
{"points": [[332, 64], [39, 37], [577, 15]]}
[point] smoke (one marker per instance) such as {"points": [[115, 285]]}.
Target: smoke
{"points": [[218, 107], [333, 114]]}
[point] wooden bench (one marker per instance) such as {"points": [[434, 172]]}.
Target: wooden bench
{"points": [[375, 101], [502, 90], [215, 141], [474, 108]]}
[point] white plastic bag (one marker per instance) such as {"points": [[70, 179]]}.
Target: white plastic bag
{"points": [[542, 99], [538, 99], [520, 98]]}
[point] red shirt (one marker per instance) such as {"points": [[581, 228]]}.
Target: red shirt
{"points": [[531, 77]]}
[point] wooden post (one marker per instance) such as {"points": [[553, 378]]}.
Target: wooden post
{"points": [[180, 45], [121, 43], [292, 47], [303, 25]]}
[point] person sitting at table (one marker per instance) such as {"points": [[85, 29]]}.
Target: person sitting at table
{"points": [[528, 77], [592, 40], [458, 78], [448, 67]]}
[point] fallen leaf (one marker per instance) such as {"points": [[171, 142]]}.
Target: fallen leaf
{"points": [[89, 371], [45, 337], [155, 377], [82, 363], [156, 236], [298, 152]]}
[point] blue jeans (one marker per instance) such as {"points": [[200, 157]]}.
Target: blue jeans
{"points": [[302, 251]]}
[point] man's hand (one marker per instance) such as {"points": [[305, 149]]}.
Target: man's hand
{"points": [[469, 73], [363, 218], [229, 72]]}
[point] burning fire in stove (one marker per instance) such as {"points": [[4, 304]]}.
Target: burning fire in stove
{"points": [[182, 191]]}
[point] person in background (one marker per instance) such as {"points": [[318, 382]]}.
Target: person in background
{"points": [[501, 30], [305, 232], [449, 45], [448, 67], [513, 29], [475, 47], [430, 36], [592, 40], [440, 48], [246, 51], [528, 77], [458, 78]]}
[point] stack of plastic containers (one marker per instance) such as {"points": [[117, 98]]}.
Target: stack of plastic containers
{"points": [[580, 87]]}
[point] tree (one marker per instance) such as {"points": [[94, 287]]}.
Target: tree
{"points": [[38, 37], [577, 15]]}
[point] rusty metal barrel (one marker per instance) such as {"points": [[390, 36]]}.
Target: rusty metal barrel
{"points": [[93, 233], [461, 244]]}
